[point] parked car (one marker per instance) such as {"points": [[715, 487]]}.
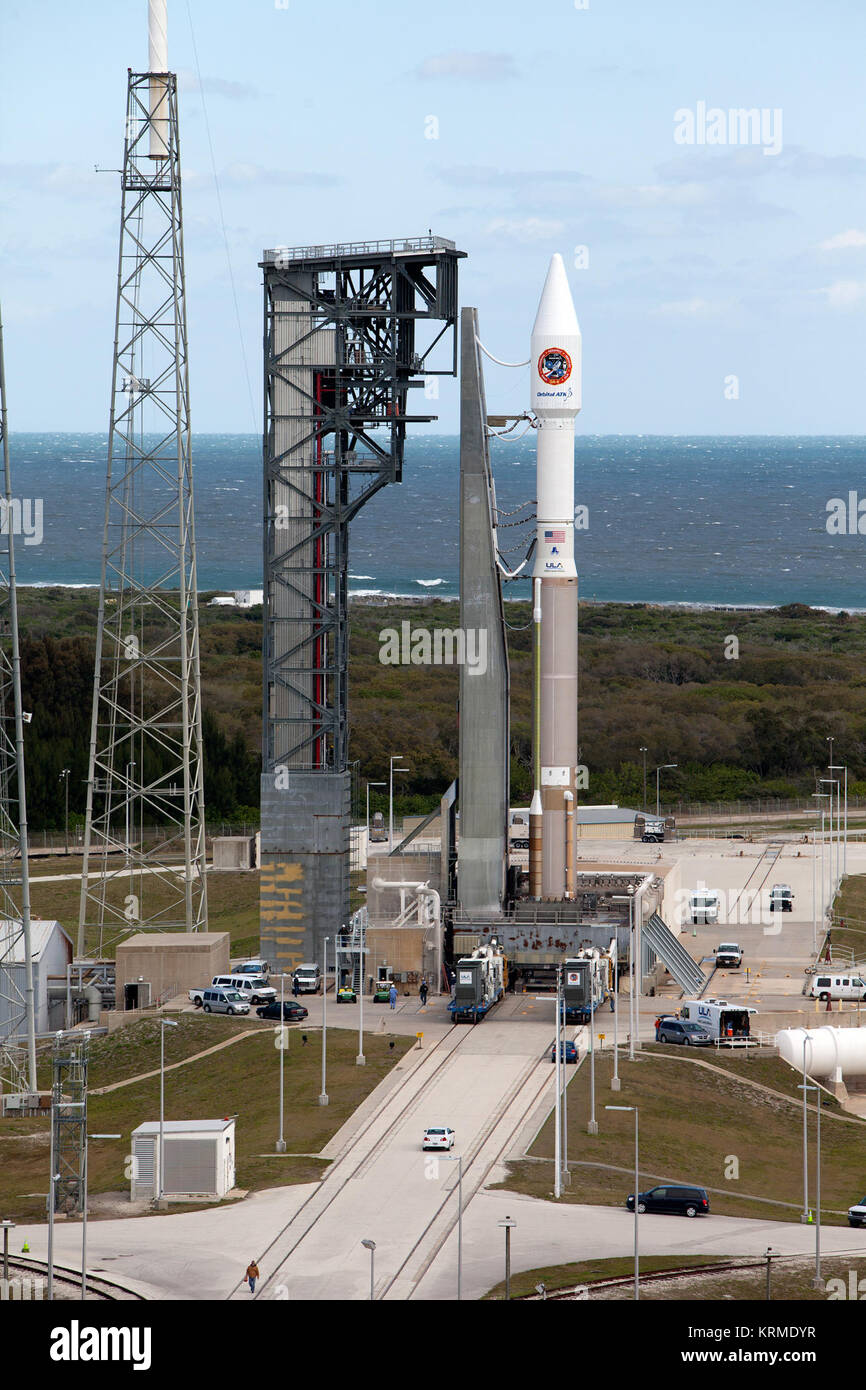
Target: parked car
{"points": [[252, 987], [440, 1137], [781, 898], [729, 955], [673, 1198], [346, 995], [309, 978], [252, 967], [681, 1031], [293, 1012], [567, 1051], [703, 906], [224, 1001], [857, 1214]]}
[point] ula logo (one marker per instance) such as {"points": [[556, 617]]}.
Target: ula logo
{"points": [[77, 1343]]}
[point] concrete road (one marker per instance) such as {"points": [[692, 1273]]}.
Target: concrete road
{"points": [[549, 1234]]}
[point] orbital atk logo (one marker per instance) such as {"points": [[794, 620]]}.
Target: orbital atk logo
{"points": [[554, 366]]}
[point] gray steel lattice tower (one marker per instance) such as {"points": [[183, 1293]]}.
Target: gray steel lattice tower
{"points": [[17, 1008], [340, 360], [145, 777]]}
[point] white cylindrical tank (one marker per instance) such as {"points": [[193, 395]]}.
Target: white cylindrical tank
{"points": [[833, 1052]]}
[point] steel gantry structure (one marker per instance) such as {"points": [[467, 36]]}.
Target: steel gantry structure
{"points": [[144, 828], [17, 1005], [343, 330]]}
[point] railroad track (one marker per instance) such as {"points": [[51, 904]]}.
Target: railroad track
{"points": [[349, 1164], [768, 860], [66, 1279]]}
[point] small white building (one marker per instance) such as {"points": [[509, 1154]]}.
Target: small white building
{"points": [[199, 1159], [51, 952]]}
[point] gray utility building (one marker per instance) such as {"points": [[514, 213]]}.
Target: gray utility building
{"points": [[199, 1159], [351, 333], [51, 951]]}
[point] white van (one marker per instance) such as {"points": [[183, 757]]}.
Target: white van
{"points": [[251, 987], [703, 906], [826, 987], [309, 978]]}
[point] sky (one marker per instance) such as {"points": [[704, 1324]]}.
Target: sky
{"points": [[720, 288]]}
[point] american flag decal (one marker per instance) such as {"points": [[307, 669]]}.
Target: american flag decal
{"points": [[555, 537]]}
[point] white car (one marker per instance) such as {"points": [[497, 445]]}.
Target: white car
{"points": [[857, 1214], [440, 1137]]}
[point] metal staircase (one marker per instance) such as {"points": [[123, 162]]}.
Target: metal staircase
{"points": [[674, 956]]}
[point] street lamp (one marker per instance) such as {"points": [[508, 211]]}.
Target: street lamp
{"points": [[644, 750], [87, 1138], [361, 1060], [369, 785], [842, 767], [458, 1159], [820, 796], [833, 782], [636, 1193], [817, 1282], [661, 768], [557, 1058], [805, 1217], [64, 777], [392, 769], [592, 1127], [508, 1226], [164, 1023], [371, 1246], [323, 1098], [281, 1142]]}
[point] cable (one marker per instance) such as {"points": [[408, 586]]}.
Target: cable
{"points": [[491, 434], [253, 415], [497, 360]]}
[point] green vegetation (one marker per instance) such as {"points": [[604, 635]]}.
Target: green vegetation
{"points": [[850, 908], [241, 1079], [714, 1279], [722, 1118], [738, 729]]}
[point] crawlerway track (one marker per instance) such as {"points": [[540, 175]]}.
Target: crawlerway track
{"points": [[660, 1275], [524, 1094], [67, 1282]]}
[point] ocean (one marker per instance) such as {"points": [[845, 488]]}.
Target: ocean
{"points": [[716, 520]]}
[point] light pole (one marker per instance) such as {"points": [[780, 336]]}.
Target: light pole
{"points": [[820, 796], [87, 1138], [834, 874], [7, 1227], [371, 1246], [369, 785], [805, 1217], [817, 1282], [636, 1193], [281, 1142], [842, 767], [661, 768], [592, 1127], [508, 1226], [323, 1098], [164, 1023], [557, 1127], [644, 750], [458, 1159], [361, 1060], [64, 777], [814, 889], [391, 770]]}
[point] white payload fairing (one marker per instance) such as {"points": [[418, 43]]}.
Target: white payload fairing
{"points": [[555, 368]]}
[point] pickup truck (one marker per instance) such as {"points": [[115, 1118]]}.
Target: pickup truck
{"points": [[729, 954]]}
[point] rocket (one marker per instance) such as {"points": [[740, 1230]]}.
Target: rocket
{"points": [[555, 372]]}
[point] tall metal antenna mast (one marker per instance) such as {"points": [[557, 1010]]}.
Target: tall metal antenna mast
{"points": [[17, 1005], [145, 827]]}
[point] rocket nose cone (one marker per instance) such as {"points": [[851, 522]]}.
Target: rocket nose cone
{"points": [[556, 312]]}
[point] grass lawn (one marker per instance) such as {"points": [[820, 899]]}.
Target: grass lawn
{"points": [[242, 1079], [697, 1126], [850, 903], [790, 1279], [233, 902]]}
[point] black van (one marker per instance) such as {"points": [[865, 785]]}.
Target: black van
{"points": [[673, 1198]]}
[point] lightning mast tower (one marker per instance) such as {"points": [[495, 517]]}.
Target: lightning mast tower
{"points": [[145, 830], [17, 1007]]}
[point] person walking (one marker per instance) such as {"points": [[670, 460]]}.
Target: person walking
{"points": [[423, 992], [295, 986], [392, 995], [252, 1275]]}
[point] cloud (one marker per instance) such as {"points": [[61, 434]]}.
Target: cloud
{"points": [[706, 163], [486, 176], [241, 175], [844, 241], [524, 230], [468, 67], [217, 86], [844, 294]]}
